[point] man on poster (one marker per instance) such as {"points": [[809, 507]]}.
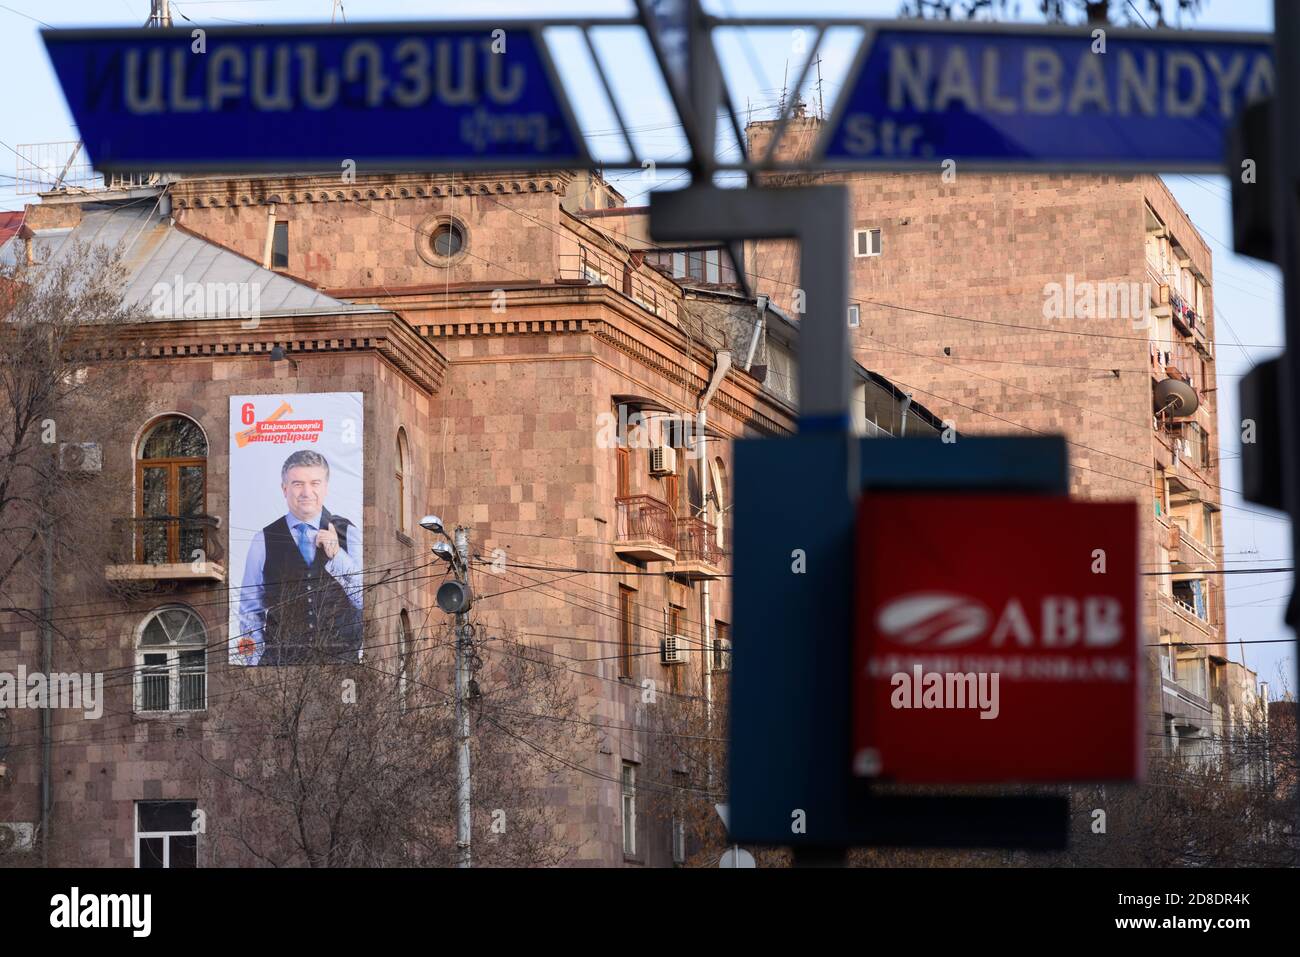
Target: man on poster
{"points": [[301, 594]]}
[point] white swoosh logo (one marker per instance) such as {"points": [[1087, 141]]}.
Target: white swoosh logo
{"points": [[933, 619]]}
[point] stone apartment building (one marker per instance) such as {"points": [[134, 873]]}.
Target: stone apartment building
{"points": [[1080, 305], [500, 327]]}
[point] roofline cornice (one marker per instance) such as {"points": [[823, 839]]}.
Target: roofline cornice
{"points": [[234, 191], [384, 333]]}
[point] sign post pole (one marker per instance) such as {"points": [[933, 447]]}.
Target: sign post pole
{"points": [[1286, 182]]}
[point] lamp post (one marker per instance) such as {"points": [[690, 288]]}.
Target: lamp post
{"points": [[454, 598]]}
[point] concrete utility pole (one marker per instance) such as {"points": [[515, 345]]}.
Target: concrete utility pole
{"points": [[463, 632], [454, 598]]}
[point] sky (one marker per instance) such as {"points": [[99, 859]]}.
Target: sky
{"points": [[1247, 293]]}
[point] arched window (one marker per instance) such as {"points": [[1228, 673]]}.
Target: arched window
{"points": [[403, 467], [171, 662], [171, 479]]}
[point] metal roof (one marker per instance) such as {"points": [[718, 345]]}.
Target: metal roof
{"points": [[174, 274]]}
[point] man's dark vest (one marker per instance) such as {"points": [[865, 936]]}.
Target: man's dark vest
{"points": [[308, 615]]}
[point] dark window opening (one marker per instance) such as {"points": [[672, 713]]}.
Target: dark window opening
{"points": [[448, 240], [280, 246]]}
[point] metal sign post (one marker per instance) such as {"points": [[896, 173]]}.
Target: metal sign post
{"points": [[1285, 178]]}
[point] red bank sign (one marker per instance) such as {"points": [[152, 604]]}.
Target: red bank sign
{"points": [[997, 639]]}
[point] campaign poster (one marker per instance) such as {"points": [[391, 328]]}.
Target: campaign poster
{"points": [[294, 525]]}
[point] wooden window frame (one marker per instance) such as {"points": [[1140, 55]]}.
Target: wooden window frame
{"points": [[173, 466]]}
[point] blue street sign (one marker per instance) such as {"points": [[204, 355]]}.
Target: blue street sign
{"points": [[669, 22], [1063, 98], [310, 98]]}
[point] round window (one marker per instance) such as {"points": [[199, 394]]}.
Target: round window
{"points": [[447, 240], [441, 240]]}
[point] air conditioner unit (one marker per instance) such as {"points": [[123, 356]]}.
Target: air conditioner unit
{"points": [[82, 457], [721, 654], [663, 460], [672, 651], [16, 837]]}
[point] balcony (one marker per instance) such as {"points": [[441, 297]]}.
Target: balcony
{"points": [[645, 529], [1185, 548], [1183, 702], [699, 556], [166, 548], [1176, 616], [1182, 687], [1176, 362]]}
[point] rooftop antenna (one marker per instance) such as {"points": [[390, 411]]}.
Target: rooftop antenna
{"points": [[160, 14], [785, 81], [336, 9], [821, 104]]}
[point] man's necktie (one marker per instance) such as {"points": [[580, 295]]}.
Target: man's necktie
{"points": [[304, 543]]}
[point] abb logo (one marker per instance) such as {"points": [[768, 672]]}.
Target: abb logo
{"points": [[941, 620]]}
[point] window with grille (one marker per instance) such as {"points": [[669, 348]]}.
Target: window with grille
{"points": [[171, 662]]}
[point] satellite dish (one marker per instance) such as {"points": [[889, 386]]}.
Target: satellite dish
{"points": [[736, 857], [1176, 397]]}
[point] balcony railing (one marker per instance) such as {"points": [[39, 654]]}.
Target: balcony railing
{"points": [[595, 268], [697, 541], [1178, 690], [1183, 311], [1177, 361], [644, 528], [1156, 275], [1179, 538], [166, 546]]}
